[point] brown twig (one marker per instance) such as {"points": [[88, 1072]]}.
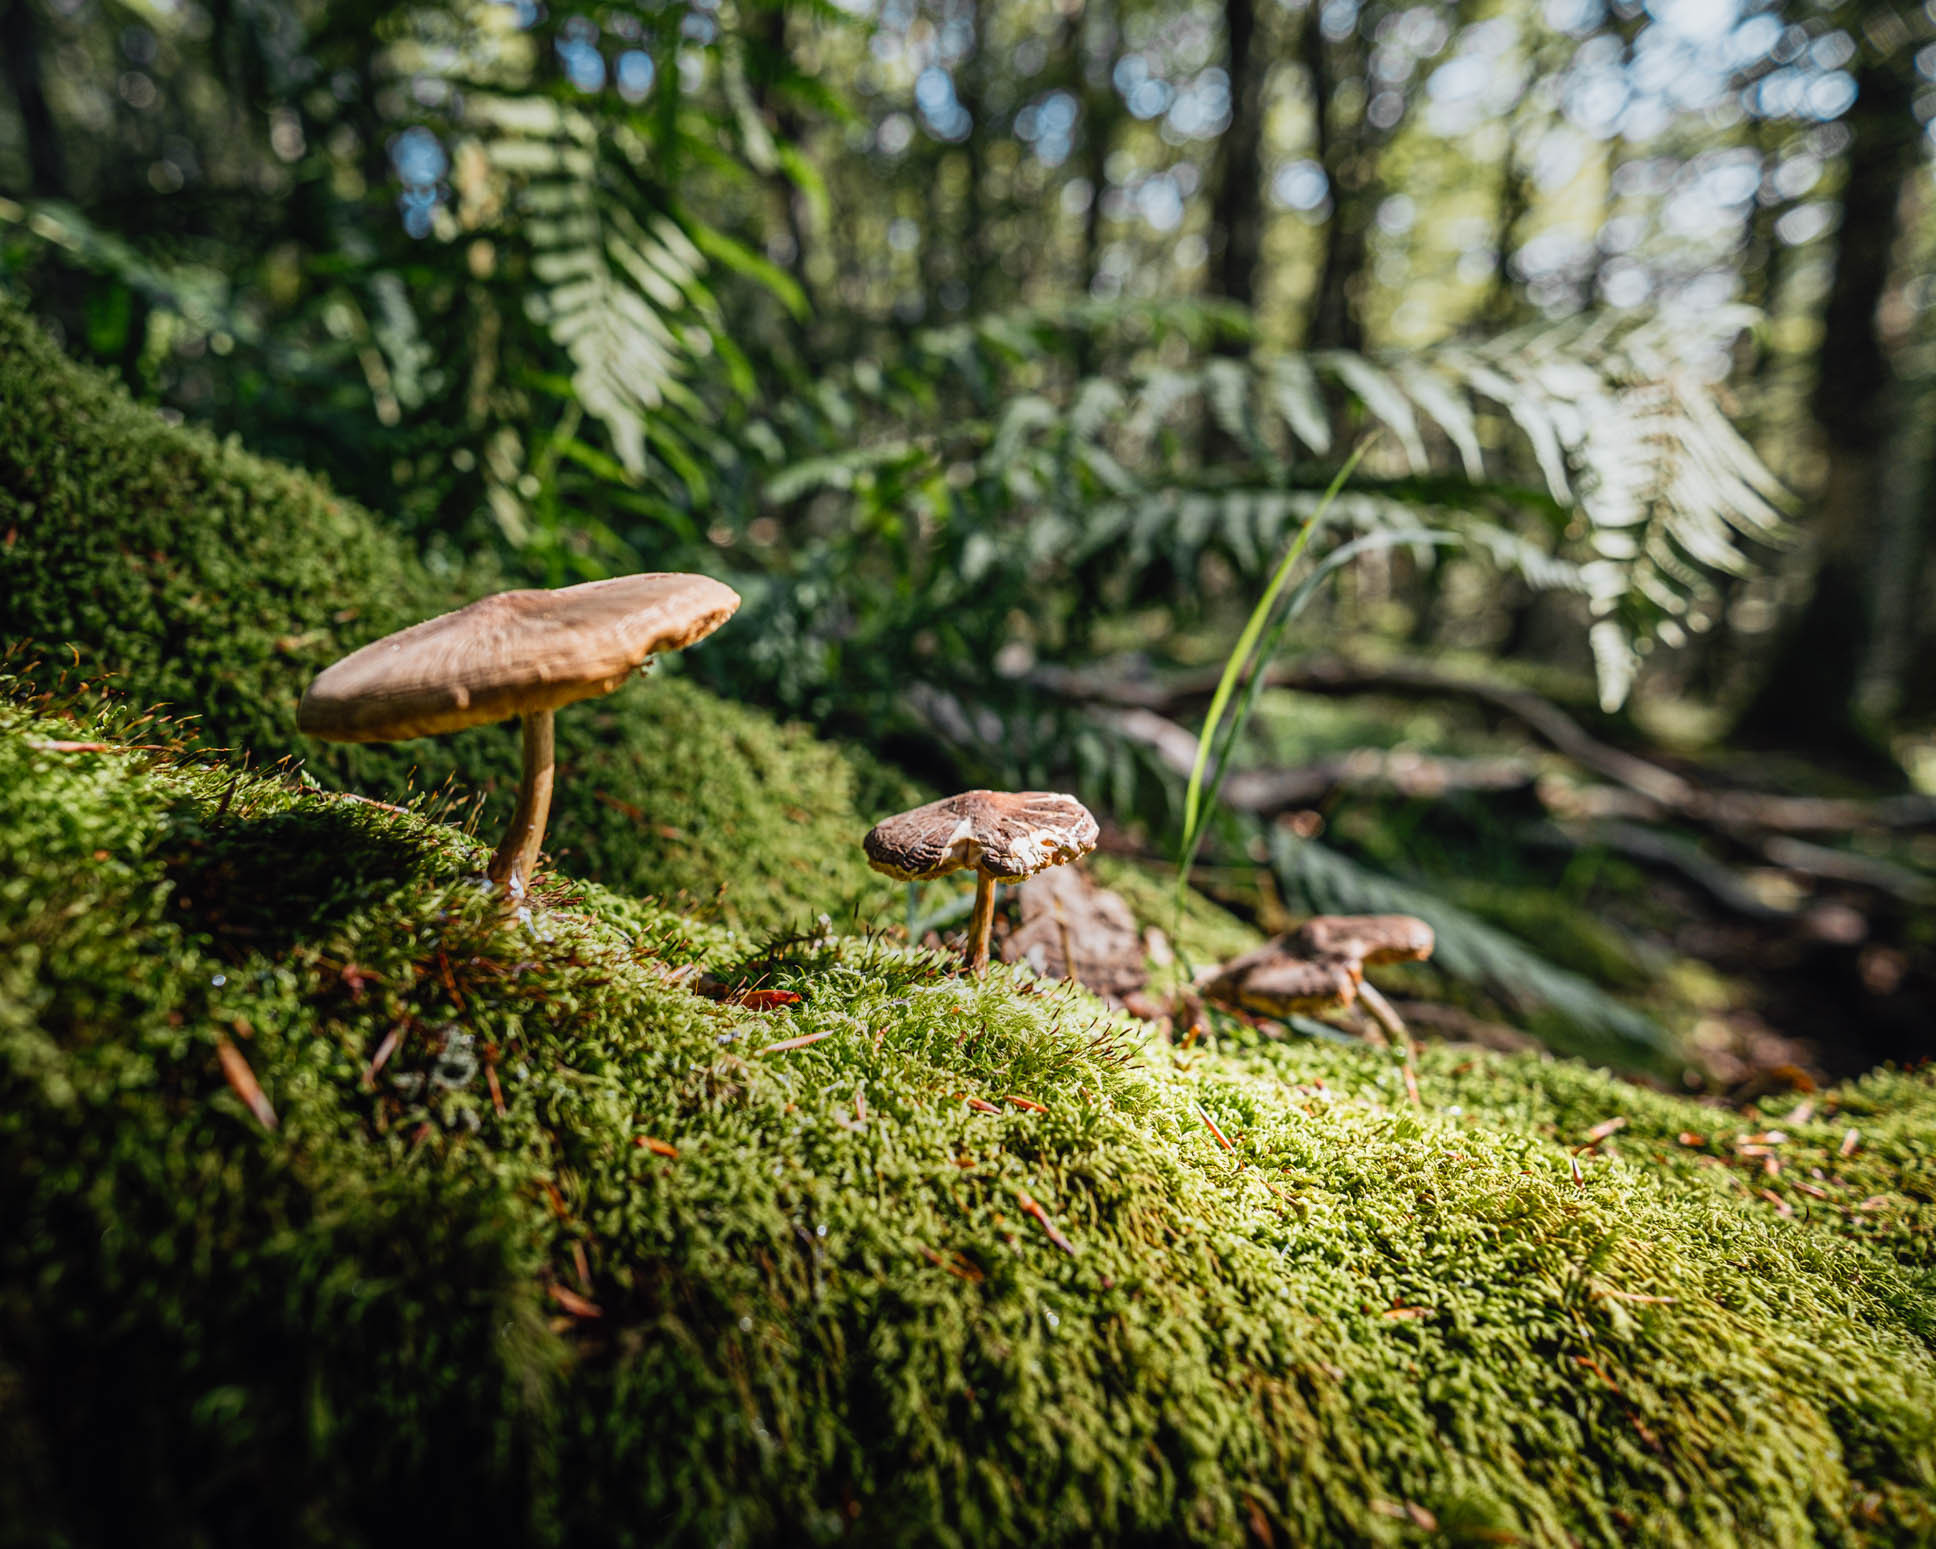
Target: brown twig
{"points": [[1041, 1215], [242, 1081]]}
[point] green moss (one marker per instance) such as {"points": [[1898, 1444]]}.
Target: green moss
{"points": [[179, 570], [834, 1310], [543, 1247]]}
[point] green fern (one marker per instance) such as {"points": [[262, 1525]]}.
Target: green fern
{"points": [[1642, 492]]}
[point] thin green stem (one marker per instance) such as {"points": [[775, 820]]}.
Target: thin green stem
{"points": [[1195, 810]]}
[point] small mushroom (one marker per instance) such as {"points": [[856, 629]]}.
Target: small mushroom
{"points": [[519, 653], [1004, 835], [1320, 965]]}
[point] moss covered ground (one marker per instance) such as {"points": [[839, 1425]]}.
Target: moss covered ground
{"points": [[338, 1206], [545, 1247], [177, 570]]}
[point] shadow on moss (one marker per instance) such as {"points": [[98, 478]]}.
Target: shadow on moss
{"points": [[263, 884]]}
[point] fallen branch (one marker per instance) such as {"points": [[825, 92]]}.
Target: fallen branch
{"points": [[1665, 852], [1660, 792], [1266, 792], [1727, 887], [1817, 860], [1332, 675]]}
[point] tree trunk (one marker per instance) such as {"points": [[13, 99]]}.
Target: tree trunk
{"points": [[1501, 307], [1089, 46], [20, 59], [1335, 320], [1236, 207], [976, 252], [1810, 699], [1103, 43]]}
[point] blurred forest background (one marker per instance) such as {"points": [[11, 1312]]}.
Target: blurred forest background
{"points": [[995, 349]]}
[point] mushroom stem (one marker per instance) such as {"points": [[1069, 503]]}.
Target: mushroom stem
{"points": [[519, 852], [1383, 1014], [1394, 1027], [1068, 947], [982, 923]]}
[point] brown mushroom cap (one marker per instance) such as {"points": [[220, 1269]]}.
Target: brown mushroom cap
{"points": [[1319, 965], [1272, 984], [1003, 834], [510, 655], [1366, 938]]}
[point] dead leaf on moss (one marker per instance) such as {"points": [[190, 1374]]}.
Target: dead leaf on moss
{"points": [[1066, 917]]}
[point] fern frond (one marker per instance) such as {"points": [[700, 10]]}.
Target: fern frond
{"points": [[617, 276]]}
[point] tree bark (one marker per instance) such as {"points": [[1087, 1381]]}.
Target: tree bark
{"points": [[20, 59], [1336, 320], [977, 253], [1101, 36], [1809, 701], [1236, 207]]}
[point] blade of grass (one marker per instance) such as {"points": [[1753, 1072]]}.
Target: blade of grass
{"points": [[1194, 812], [1240, 653], [1336, 560]]}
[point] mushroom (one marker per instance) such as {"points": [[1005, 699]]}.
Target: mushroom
{"points": [[521, 653], [1004, 835], [1321, 966]]}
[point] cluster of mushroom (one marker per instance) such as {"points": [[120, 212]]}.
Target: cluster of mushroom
{"points": [[528, 653]]}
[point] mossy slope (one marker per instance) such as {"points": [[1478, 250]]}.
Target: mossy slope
{"points": [[179, 570], [544, 1247], [547, 1248]]}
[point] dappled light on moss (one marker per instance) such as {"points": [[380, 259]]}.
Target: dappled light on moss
{"points": [[161, 565]]}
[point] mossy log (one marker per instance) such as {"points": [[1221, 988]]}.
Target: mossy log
{"points": [[338, 1207], [542, 1247]]}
